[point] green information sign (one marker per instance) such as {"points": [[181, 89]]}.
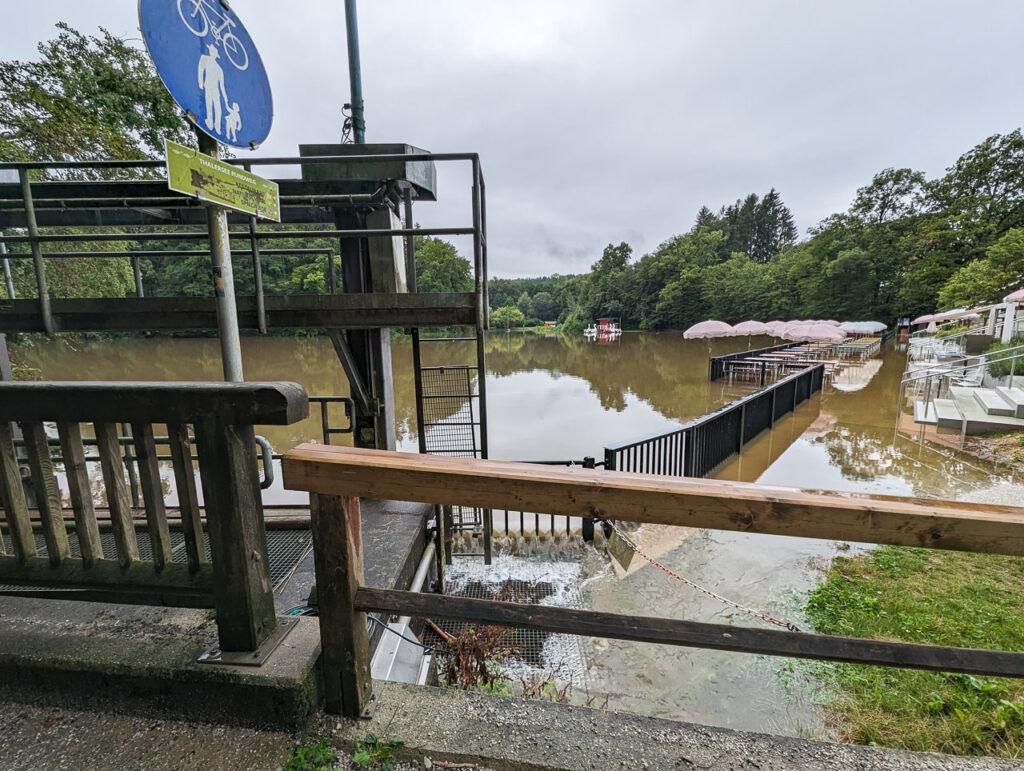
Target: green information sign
{"points": [[193, 173]]}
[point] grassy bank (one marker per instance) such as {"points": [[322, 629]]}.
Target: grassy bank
{"points": [[920, 595]]}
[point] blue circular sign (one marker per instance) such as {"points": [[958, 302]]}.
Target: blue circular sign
{"points": [[210, 65]]}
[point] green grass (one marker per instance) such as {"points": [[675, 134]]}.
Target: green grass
{"points": [[942, 598]]}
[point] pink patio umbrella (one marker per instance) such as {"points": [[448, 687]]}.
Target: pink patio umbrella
{"points": [[1015, 297], [750, 328], [708, 330], [825, 333]]}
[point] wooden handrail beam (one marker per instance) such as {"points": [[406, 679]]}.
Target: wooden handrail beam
{"points": [[707, 503], [159, 401], [694, 634]]}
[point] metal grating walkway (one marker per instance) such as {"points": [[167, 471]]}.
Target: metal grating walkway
{"points": [[286, 548]]}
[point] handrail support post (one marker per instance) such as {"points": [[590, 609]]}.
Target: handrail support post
{"points": [[338, 562]]}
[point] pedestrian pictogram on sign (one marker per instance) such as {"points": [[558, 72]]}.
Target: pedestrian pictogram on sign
{"points": [[210, 65]]}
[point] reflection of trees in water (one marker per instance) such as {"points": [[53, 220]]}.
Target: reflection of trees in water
{"points": [[662, 369], [864, 453]]}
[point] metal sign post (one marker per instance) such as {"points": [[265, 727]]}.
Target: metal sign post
{"points": [[208, 62], [223, 279]]}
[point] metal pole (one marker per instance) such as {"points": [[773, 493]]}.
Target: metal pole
{"points": [[410, 243], [355, 80], [137, 270], [8, 278], [257, 277], [257, 273], [223, 279], [37, 253]]}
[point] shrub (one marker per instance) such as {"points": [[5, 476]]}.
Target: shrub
{"points": [[1002, 368]]}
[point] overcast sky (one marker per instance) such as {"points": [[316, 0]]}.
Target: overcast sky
{"points": [[606, 121]]}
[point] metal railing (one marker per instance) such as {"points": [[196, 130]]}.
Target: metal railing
{"points": [[717, 364], [696, 448], [337, 478], [934, 381], [67, 203]]}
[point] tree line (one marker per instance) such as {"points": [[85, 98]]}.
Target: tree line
{"points": [[906, 246]]}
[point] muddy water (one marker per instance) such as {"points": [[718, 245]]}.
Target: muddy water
{"points": [[550, 398]]}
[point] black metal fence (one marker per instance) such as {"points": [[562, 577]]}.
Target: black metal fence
{"points": [[717, 365], [697, 447]]}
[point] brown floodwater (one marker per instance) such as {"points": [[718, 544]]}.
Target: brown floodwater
{"points": [[553, 398]]}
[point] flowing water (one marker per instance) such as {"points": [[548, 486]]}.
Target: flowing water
{"points": [[550, 398]]}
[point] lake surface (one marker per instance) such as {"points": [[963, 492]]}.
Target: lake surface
{"points": [[551, 398]]}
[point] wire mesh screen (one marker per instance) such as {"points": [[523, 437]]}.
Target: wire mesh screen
{"points": [[530, 652], [451, 424], [451, 415]]}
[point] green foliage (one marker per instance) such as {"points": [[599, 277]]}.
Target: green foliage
{"points": [[1003, 368], [376, 753], [312, 757], [507, 317], [439, 268], [988, 279], [86, 98], [935, 597]]}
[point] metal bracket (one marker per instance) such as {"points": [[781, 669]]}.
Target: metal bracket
{"points": [[256, 658], [370, 708]]}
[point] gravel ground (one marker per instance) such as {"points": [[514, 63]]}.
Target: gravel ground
{"points": [[34, 737]]}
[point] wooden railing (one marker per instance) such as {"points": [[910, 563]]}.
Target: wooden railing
{"points": [[236, 581], [336, 477]]}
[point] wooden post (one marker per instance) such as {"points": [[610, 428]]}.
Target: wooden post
{"points": [[338, 560], [243, 594]]}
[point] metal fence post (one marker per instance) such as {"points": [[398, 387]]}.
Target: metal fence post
{"points": [[37, 252], [609, 459], [137, 271], [8, 278]]}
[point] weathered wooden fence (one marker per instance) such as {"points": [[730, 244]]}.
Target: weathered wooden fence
{"points": [[337, 477], [236, 581], [698, 446]]}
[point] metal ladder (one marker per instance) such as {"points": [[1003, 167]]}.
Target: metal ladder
{"points": [[451, 412]]}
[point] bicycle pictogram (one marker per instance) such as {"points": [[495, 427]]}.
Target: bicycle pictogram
{"points": [[201, 17]]}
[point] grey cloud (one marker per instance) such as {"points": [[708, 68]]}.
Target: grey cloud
{"points": [[605, 121]]}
